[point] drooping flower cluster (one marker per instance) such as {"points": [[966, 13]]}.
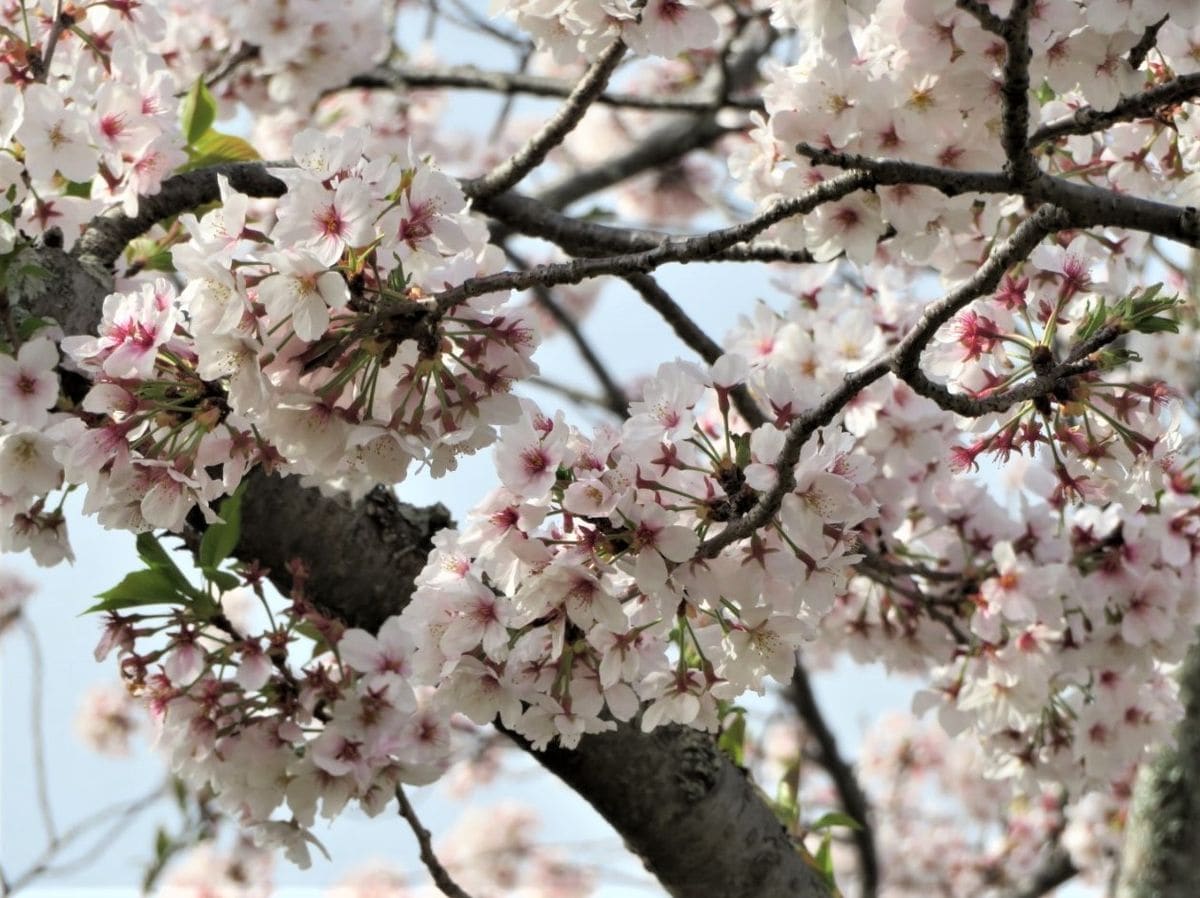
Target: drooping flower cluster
{"points": [[317, 348], [580, 593], [242, 720]]}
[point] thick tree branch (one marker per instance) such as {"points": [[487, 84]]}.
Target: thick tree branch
{"points": [[674, 786], [1014, 93], [1085, 205]]}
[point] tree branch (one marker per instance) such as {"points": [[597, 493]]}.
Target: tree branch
{"points": [[1014, 94], [672, 249], [443, 880], [1085, 205], [694, 818], [674, 139], [1054, 870], [408, 77], [694, 337], [1145, 104], [1162, 836], [615, 399], [850, 793], [902, 360], [579, 237], [556, 128], [107, 235]]}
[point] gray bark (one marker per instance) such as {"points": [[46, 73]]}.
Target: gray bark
{"points": [[1161, 858]]}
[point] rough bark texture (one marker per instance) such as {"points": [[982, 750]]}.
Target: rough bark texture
{"points": [[362, 559], [693, 818], [685, 810], [1162, 842]]}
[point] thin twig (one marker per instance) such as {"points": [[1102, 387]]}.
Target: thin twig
{"points": [[615, 399], [556, 128], [441, 878], [118, 814], [37, 675], [850, 793], [60, 25], [1140, 50], [1144, 104], [581, 397], [244, 53], [671, 249], [694, 337], [901, 360], [512, 83]]}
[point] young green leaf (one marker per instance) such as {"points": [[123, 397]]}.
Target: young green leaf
{"points": [[198, 112], [732, 740], [213, 148], [835, 818], [221, 539], [151, 586]]}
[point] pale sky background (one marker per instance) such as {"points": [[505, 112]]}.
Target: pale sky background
{"points": [[632, 341]]}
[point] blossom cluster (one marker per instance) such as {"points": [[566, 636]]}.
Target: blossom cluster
{"points": [[580, 594], [308, 338], [622, 575], [241, 719], [920, 80], [655, 27], [1048, 625], [939, 825]]}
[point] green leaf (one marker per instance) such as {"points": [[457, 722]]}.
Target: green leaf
{"points": [[214, 148], [787, 803], [81, 189], [732, 740], [221, 539], [148, 255], [824, 859], [223, 580], [146, 587], [1156, 325], [835, 818], [30, 325], [154, 556], [1093, 320], [198, 112]]}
